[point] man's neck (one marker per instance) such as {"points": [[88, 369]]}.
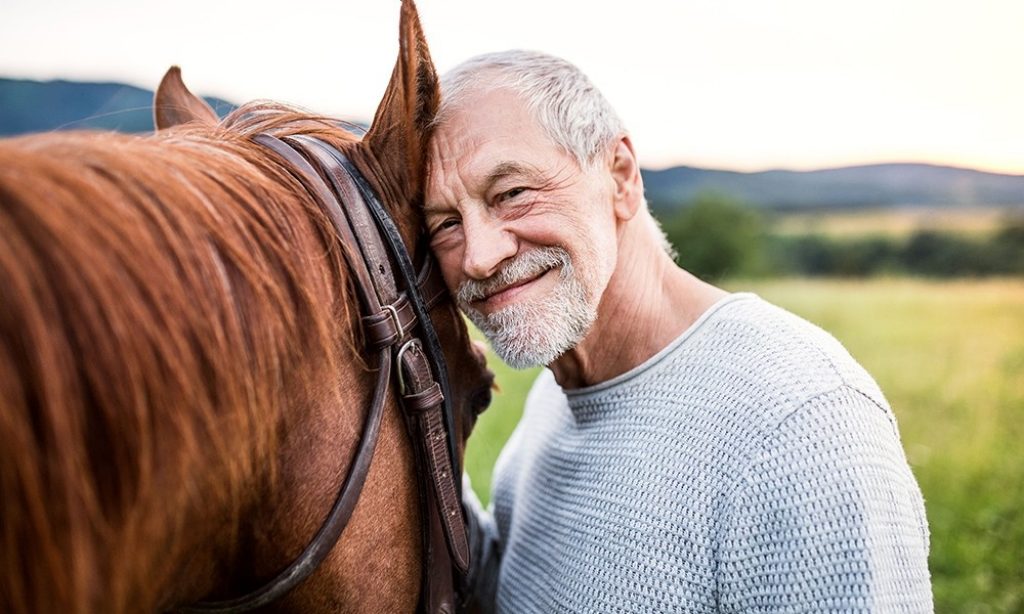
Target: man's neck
{"points": [[648, 303]]}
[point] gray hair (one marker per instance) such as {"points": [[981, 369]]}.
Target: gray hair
{"points": [[568, 107]]}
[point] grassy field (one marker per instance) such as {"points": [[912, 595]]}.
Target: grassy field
{"points": [[950, 358], [895, 222]]}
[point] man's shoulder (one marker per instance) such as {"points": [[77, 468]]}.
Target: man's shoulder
{"points": [[545, 395], [788, 359]]}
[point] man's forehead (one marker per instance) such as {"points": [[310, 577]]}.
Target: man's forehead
{"points": [[475, 122], [474, 153]]}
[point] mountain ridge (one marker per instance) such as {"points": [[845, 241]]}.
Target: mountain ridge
{"points": [[28, 106], [863, 185]]}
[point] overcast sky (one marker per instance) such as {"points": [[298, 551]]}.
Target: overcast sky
{"points": [[742, 84]]}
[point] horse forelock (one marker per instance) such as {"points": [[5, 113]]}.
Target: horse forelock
{"points": [[161, 299]]}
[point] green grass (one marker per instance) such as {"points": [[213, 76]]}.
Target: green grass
{"points": [[950, 358], [496, 424], [895, 222]]}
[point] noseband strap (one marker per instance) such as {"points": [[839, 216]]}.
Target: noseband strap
{"points": [[398, 328]]}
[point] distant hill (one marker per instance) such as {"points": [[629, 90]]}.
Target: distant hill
{"points": [[34, 106], [38, 106], [854, 186]]}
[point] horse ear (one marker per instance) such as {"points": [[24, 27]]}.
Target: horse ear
{"points": [[401, 127], [174, 104]]}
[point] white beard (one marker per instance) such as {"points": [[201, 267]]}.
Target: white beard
{"points": [[533, 331]]}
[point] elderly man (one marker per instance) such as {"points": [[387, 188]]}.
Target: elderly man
{"points": [[687, 450]]}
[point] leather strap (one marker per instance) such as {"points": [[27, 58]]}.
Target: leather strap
{"points": [[315, 185], [430, 283], [441, 459], [374, 253], [429, 427], [432, 345]]}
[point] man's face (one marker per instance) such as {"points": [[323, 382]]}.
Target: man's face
{"points": [[525, 237]]}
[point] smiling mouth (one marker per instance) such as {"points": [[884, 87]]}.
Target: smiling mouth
{"points": [[507, 293]]}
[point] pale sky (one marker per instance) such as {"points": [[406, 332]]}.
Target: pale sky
{"points": [[739, 84]]}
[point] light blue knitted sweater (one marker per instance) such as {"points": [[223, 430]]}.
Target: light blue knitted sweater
{"points": [[750, 466]]}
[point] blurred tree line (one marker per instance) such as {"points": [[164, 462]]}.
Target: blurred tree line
{"points": [[717, 236]]}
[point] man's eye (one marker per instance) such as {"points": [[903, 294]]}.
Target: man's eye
{"points": [[512, 193], [445, 225]]}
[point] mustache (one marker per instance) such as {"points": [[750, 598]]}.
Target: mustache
{"points": [[525, 266]]}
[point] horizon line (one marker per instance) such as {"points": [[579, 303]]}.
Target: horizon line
{"points": [[960, 166]]}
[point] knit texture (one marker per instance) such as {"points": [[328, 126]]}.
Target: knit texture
{"points": [[750, 466]]}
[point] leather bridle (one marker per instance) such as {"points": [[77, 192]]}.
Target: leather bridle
{"points": [[395, 303]]}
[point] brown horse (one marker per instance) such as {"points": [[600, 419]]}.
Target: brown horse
{"points": [[182, 377]]}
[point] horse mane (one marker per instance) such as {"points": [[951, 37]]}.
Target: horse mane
{"points": [[162, 300]]}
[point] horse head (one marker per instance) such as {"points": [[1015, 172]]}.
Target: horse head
{"points": [[183, 368]]}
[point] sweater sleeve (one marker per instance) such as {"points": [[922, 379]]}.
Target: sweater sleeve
{"points": [[827, 517], [485, 552]]}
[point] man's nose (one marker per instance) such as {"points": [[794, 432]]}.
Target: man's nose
{"points": [[487, 245]]}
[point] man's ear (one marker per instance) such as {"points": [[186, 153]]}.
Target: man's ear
{"points": [[174, 104], [625, 172], [401, 127]]}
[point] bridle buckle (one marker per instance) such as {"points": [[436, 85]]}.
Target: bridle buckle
{"points": [[399, 368], [398, 322]]}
